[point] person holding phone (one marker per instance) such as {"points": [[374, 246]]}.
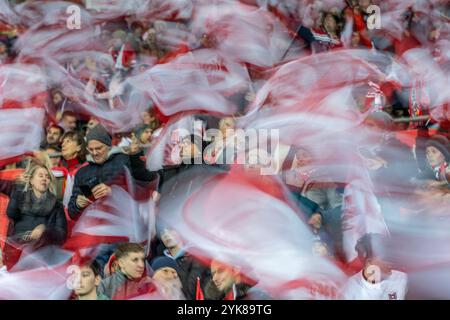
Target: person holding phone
{"points": [[105, 164]]}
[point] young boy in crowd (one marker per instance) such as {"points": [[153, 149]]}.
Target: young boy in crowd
{"points": [[90, 279]]}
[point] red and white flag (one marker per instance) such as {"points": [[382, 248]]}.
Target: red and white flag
{"points": [[21, 132], [199, 80]]}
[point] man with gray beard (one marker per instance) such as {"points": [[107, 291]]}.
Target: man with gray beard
{"points": [[166, 278]]}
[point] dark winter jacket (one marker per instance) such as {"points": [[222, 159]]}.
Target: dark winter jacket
{"points": [[109, 173]]}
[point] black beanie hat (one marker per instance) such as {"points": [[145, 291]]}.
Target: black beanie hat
{"points": [[163, 262], [99, 133]]}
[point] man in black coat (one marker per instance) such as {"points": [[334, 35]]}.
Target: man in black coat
{"points": [[105, 165]]}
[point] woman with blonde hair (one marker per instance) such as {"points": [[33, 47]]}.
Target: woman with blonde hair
{"points": [[36, 217]]}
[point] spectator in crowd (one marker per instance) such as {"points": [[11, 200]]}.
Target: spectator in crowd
{"points": [[73, 156], [190, 154], [141, 137], [378, 280], [149, 118], [327, 33], [57, 97], [53, 137], [37, 217], [73, 150], [227, 283], [166, 278], [189, 269], [358, 11], [93, 121], [438, 157], [90, 278], [143, 134], [105, 164], [69, 121], [130, 280], [57, 101]]}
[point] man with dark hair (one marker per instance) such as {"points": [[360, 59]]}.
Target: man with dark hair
{"points": [[228, 283], [73, 150], [53, 137], [130, 280], [377, 280], [143, 133], [90, 279]]}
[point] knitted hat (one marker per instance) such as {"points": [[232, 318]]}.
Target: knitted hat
{"points": [[164, 262], [99, 133]]}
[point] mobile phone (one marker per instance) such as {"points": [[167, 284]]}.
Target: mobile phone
{"points": [[86, 190]]}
